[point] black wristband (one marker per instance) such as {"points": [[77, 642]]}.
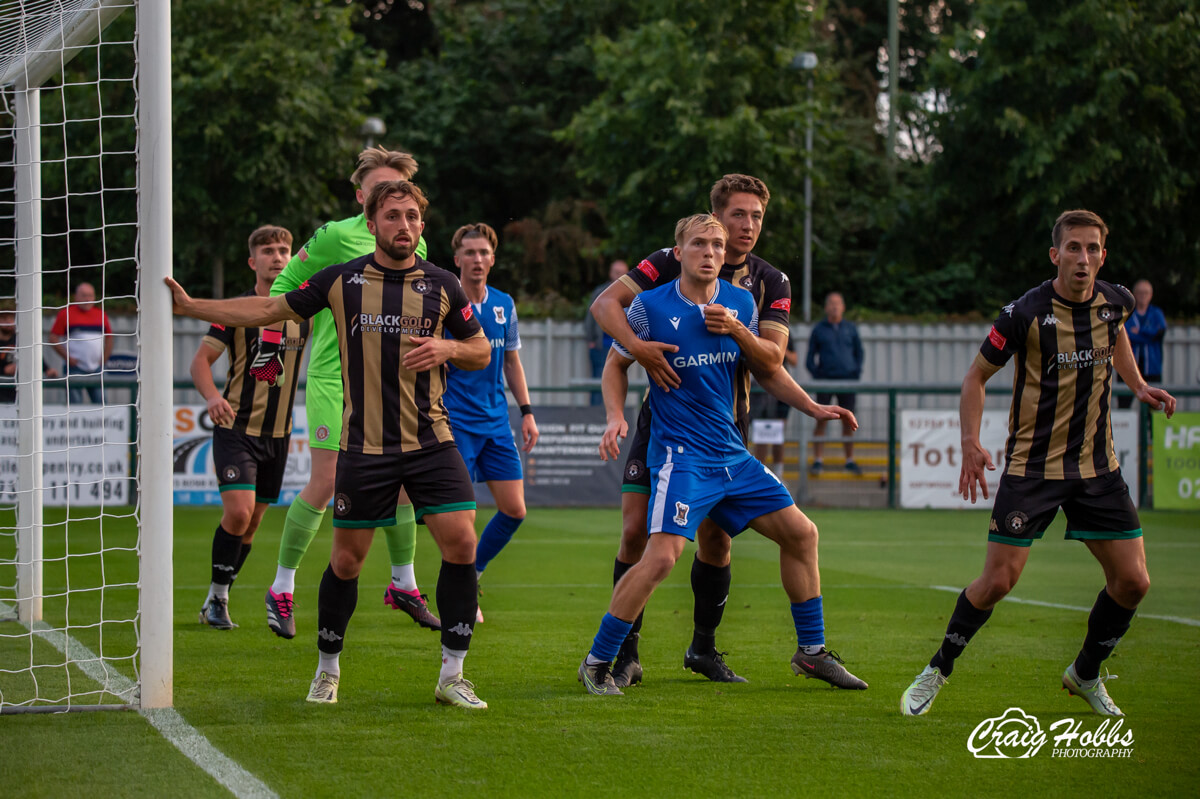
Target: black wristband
{"points": [[526, 410]]}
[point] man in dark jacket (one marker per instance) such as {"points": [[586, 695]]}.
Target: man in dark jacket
{"points": [[834, 353]]}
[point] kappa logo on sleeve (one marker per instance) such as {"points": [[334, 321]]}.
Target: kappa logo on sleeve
{"points": [[998, 341], [647, 269], [784, 304]]}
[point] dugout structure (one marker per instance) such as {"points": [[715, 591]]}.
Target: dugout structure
{"points": [[85, 196]]}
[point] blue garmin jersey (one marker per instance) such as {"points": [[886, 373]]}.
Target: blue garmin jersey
{"points": [[696, 420], [475, 399]]}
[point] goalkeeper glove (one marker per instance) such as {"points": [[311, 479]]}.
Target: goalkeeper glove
{"points": [[267, 365]]}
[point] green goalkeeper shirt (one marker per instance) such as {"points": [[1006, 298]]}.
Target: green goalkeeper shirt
{"points": [[332, 243]]}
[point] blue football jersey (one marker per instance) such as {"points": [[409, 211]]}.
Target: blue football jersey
{"points": [[696, 420], [475, 399]]}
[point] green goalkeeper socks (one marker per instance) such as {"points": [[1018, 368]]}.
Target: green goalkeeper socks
{"points": [[299, 528], [402, 536]]}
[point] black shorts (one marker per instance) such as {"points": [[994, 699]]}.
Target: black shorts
{"points": [[845, 399], [637, 476], [249, 463], [366, 486], [1097, 508]]}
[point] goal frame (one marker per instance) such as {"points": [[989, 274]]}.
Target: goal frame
{"points": [[45, 53]]}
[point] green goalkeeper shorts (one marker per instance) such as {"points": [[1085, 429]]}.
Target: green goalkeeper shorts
{"points": [[323, 403]]}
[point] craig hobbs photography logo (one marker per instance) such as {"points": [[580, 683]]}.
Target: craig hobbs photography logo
{"points": [[1016, 735]]}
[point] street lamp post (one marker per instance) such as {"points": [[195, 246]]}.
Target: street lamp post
{"points": [[371, 129], [808, 63]]}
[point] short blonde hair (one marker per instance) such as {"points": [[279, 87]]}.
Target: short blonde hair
{"points": [[689, 225], [375, 157], [474, 230], [269, 234], [394, 188]]}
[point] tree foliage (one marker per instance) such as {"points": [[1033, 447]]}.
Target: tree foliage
{"points": [[1055, 105], [268, 98]]}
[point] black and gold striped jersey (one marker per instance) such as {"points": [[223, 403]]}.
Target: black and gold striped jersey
{"points": [[259, 410], [1059, 425], [380, 314]]}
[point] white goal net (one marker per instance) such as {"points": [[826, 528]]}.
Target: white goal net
{"points": [[85, 364]]}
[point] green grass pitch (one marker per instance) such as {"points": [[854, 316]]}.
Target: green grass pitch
{"points": [[676, 735]]}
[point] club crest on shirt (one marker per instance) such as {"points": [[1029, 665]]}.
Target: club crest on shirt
{"points": [[421, 285], [1106, 313], [747, 282], [499, 311], [681, 512], [322, 432]]}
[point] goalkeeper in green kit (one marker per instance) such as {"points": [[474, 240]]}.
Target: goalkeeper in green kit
{"points": [[335, 243]]}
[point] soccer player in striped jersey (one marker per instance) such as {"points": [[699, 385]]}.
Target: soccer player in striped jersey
{"points": [[698, 461], [475, 399], [252, 424], [335, 243], [391, 310], [1067, 335]]}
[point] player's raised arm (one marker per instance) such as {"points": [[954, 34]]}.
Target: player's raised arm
{"points": [[614, 386], [235, 312], [975, 459], [1126, 365], [609, 312]]}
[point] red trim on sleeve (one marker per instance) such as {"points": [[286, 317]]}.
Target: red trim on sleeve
{"points": [[998, 341]]}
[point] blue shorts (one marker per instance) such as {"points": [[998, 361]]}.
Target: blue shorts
{"points": [[489, 457], [682, 494]]}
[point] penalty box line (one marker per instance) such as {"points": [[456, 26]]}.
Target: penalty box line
{"points": [[1080, 608], [166, 720]]}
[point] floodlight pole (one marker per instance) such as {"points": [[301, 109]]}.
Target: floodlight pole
{"points": [[808, 63]]}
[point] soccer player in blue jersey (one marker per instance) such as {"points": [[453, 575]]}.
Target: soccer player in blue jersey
{"points": [[699, 465], [475, 399]]}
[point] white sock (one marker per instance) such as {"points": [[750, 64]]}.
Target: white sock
{"points": [[208, 598], [285, 580], [592, 660], [813, 650], [478, 575], [452, 664], [404, 578], [328, 664], [218, 591]]}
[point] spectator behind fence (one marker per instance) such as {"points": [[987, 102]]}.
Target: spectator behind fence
{"points": [[598, 341], [1146, 327], [82, 336], [834, 353], [8, 357]]}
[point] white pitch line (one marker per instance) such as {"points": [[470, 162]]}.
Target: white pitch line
{"points": [[1080, 608], [169, 723]]}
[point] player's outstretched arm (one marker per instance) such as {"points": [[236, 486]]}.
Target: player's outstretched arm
{"points": [[975, 459], [614, 386], [781, 385], [219, 409], [609, 312], [235, 312], [1126, 364], [514, 375]]}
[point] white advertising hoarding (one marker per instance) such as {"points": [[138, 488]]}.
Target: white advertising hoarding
{"points": [[931, 456], [85, 454]]}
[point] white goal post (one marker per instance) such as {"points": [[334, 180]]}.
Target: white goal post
{"points": [[85, 198]]}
